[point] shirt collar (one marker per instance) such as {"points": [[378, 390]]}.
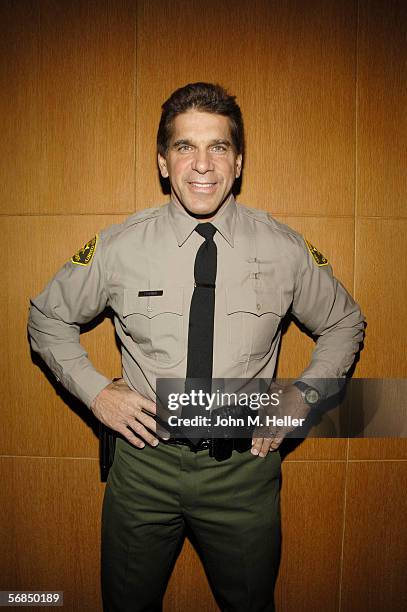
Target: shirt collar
{"points": [[183, 224]]}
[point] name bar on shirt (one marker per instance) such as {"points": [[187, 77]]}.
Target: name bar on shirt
{"points": [[150, 293]]}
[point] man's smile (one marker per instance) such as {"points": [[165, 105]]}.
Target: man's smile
{"points": [[202, 187]]}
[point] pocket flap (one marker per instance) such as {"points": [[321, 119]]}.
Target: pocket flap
{"points": [[150, 306], [239, 299]]}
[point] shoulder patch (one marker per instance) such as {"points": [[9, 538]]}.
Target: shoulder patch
{"points": [[85, 255], [319, 259]]}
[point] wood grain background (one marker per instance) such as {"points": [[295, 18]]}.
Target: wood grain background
{"points": [[322, 86]]}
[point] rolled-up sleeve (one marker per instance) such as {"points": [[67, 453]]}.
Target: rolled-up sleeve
{"points": [[329, 312], [75, 296]]}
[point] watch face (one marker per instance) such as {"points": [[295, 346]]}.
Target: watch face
{"points": [[311, 396]]}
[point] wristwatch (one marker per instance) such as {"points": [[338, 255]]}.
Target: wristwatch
{"points": [[310, 395]]}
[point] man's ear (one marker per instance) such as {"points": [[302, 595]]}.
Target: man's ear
{"points": [[239, 161], [162, 164]]}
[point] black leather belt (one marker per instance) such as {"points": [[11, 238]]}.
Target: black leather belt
{"points": [[201, 444], [219, 448]]}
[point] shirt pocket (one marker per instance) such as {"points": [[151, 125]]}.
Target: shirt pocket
{"points": [[156, 323], [253, 318]]}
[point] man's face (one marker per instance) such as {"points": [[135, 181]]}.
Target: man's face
{"points": [[201, 162]]}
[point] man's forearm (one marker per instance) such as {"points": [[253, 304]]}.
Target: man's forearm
{"points": [[335, 353], [58, 345]]}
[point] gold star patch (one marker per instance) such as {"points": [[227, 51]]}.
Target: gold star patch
{"points": [[85, 255], [319, 259]]}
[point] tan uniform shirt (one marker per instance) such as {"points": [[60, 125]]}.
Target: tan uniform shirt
{"points": [[264, 268]]}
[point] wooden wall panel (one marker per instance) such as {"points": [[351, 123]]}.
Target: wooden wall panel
{"points": [[35, 420], [378, 448], [292, 68], [51, 510], [312, 507], [380, 285], [382, 108], [20, 104], [69, 86], [315, 449], [321, 86], [380, 407], [375, 546]]}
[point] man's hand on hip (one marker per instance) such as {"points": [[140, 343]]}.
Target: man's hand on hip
{"points": [[292, 404], [121, 408]]}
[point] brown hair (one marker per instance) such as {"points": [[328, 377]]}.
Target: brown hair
{"points": [[204, 97]]}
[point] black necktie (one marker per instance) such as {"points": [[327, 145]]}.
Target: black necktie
{"points": [[201, 314], [202, 311]]}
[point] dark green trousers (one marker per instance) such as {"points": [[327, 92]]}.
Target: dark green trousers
{"points": [[232, 508]]}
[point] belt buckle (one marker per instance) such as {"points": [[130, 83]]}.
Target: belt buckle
{"points": [[203, 445]]}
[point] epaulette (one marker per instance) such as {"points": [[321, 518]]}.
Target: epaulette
{"points": [[254, 213], [265, 217], [282, 227], [317, 256], [144, 215], [113, 231]]}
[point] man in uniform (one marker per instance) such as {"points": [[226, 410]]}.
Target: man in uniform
{"points": [[162, 272]]}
